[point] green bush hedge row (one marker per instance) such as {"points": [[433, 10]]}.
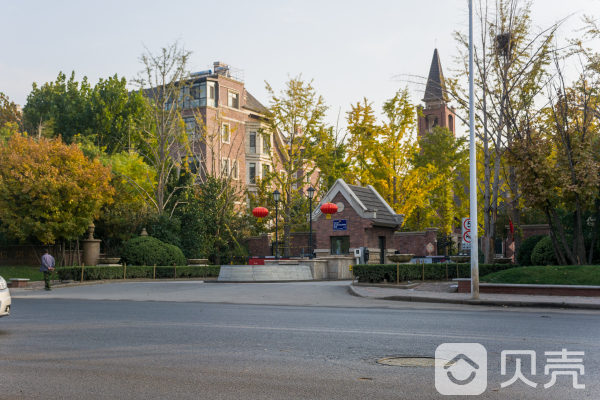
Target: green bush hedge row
{"points": [[376, 273], [99, 273]]}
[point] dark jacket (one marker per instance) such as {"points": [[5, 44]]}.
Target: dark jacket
{"points": [[47, 262]]}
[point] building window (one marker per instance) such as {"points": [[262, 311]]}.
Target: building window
{"points": [[225, 167], [450, 123], [265, 171], [210, 93], [340, 245], [234, 100], [252, 173], [225, 133], [234, 169], [266, 146], [252, 142], [190, 125]]}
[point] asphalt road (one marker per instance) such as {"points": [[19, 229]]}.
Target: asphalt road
{"points": [[53, 347]]}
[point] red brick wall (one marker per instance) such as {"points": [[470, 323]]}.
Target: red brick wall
{"points": [[528, 231], [260, 246], [442, 113], [416, 242]]}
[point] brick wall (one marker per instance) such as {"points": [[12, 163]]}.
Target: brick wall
{"points": [[260, 246], [528, 231], [416, 242]]}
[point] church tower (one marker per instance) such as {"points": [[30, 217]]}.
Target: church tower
{"points": [[436, 112]]}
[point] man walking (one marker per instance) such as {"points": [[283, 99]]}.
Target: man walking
{"points": [[47, 268]]}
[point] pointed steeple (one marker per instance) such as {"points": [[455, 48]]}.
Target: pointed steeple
{"points": [[436, 86]]}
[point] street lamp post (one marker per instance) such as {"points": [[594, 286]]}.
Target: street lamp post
{"points": [[311, 194], [276, 195], [473, 167]]}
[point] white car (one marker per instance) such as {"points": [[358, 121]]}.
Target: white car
{"points": [[4, 299]]}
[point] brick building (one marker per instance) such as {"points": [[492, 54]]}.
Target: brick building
{"points": [[363, 219], [437, 111], [229, 130]]}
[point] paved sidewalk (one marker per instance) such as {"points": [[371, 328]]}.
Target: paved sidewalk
{"points": [[485, 299]]}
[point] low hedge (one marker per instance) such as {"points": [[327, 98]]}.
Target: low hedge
{"points": [[376, 273], [132, 272]]}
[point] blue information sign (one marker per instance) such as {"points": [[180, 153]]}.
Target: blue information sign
{"points": [[340, 225]]}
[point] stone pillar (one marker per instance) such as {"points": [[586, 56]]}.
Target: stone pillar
{"points": [[91, 248]]}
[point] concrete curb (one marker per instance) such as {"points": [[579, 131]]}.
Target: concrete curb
{"points": [[388, 286], [74, 284], [498, 303]]}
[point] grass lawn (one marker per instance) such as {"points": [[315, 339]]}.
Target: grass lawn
{"points": [[550, 275], [21, 271]]}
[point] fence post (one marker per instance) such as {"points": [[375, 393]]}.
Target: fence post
{"points": [[446, 270], [423, 265], [397, 273], [154, 274], [82, 266], [456, 270], [124, 270]]}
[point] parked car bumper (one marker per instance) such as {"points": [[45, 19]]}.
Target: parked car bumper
{"points": [[5, 302]]}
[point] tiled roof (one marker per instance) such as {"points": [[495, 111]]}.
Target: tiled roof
{"points": [[373, 202], [436, 86], [254, 105]]}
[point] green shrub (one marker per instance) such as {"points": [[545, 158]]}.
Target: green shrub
{"points": [[524, 252], [133, 272], [146, 250], [376, 273], [543, 253]]}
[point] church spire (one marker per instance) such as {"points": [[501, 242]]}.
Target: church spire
{"points": [[436, 86]]}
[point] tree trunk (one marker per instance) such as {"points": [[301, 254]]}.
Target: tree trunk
{"points": [[595, 233], [78, 253], [287, 225]]}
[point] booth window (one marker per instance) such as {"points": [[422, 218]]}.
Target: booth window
{"points": [[340, 245]]}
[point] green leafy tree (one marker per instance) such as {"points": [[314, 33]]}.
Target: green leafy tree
{"points": [[48, 190], [450, 157], [107, 112], [296, 119]]}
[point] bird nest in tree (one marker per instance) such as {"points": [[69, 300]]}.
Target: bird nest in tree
{"points": [[504, 43]]}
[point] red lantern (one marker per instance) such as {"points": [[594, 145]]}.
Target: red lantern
{"points": [[328, 208], [260, 213]]}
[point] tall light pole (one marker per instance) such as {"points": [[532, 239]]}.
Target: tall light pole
{"points": [[473, 168], [311, 194], [276, 195]]}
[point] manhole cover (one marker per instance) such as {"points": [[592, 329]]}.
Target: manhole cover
{"points": [[413, 362]]}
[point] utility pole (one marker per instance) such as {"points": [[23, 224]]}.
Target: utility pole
{"points": [[473, 168]]}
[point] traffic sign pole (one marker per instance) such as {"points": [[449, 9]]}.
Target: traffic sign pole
{"points": [[473, 167]]}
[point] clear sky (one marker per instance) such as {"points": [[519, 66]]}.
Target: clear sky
{"points": [[352, 49]]}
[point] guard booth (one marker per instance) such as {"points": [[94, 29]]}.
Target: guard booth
{"points": [[364, 220]]}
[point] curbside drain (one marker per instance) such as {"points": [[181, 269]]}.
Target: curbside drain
{"points": [[413, 362]]}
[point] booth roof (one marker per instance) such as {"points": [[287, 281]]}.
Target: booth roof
{"points": [[373, 202]]}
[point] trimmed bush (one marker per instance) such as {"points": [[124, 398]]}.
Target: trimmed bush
{"points": [[376, 273], [524, 253], [543, 253], [133, 272], [146, 250]]}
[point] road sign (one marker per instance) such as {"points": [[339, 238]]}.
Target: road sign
{"points": [[467, 224], [466, 234], [351, 268]]}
